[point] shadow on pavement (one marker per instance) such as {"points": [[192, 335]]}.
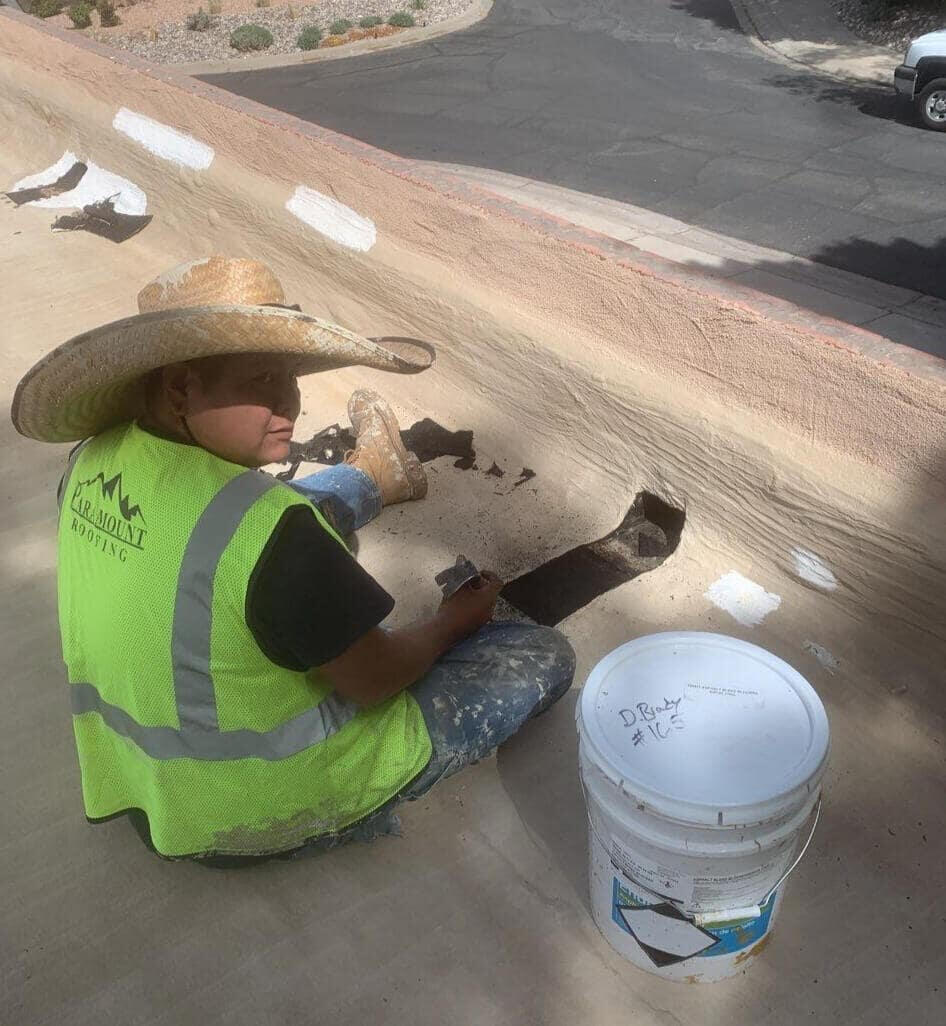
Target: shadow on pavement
{"points": [[719, 12], [872, 100], [896, 261], [917, 322], [539, 771]]}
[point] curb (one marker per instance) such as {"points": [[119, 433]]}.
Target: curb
{"points": [[477, 11], [757, 25], [819, 290]]}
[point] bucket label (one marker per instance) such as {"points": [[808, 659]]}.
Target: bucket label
{"points": [[667, 937], [732, 889], [661, 879]]}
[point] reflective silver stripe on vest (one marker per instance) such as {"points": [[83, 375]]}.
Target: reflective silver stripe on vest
{"points": [[290, 738], [199, 735], [190, 636]]}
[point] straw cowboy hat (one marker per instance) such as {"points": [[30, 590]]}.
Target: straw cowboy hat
{"points": [[202, 308]]}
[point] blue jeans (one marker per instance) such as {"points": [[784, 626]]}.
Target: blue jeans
{"points": [[346, 496], [473, 698]]}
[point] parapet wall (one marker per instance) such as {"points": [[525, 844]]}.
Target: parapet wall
{"points": [[620, 369]]}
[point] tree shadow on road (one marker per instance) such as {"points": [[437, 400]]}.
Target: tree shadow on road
{"points": [[719, 12], [872, 100], [903, 262], [916, 322]]}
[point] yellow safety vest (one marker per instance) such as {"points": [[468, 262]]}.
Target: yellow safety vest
{"points": [[176, 710]]}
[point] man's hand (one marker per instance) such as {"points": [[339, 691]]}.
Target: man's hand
{"points": [[384, 662], [472, 606]]}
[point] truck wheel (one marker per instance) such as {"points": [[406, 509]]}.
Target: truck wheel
{"points": [[931, 104]]}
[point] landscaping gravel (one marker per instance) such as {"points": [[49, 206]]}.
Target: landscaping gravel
{"points": [[874, 21], [176, 44]]}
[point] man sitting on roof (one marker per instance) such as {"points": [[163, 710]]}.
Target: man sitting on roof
{"points": [[232, 687]]}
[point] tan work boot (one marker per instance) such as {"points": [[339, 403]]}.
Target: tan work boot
{"points": [[379, 451]]}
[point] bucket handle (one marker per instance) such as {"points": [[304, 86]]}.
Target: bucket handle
{"points": [[704, 918], [754, 911], [791, 869]]}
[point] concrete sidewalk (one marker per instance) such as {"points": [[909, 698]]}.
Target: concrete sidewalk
{"points": [[808, 32], [900, 315]]}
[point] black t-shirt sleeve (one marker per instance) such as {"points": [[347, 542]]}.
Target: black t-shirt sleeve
{"points": [[308, 599]]}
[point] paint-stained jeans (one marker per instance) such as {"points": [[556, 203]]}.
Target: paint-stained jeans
{"points": [[482, 691], [473, 699]]}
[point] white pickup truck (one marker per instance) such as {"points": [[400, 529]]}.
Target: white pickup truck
{"points": [[922, 77]]}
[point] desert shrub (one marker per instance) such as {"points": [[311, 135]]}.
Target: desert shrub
{"points": [[199, 22], [340, 27], [401, 19], [107, 16], [46, 8], [419, 5], [81, 15], [309, 38], [251, 37], [371, 21]]}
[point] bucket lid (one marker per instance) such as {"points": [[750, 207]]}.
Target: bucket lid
{"points": [[704, 729]]}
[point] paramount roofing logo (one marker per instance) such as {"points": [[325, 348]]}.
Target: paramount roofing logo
{"points": [[104, 506]]}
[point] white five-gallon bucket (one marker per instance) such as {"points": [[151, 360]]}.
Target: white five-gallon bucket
{"points": [[701, 758]]}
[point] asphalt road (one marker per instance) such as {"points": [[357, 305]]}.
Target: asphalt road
{"points": [[659, 103]]}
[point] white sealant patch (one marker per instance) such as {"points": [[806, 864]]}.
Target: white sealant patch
{"points": [[163, 141], [823, 656], [813, 569], [96, 185], [331, 218], [46, 177], [744, 600]]}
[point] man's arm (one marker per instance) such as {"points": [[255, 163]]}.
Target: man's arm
{"points": [[309, 604], [382, 662]]}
